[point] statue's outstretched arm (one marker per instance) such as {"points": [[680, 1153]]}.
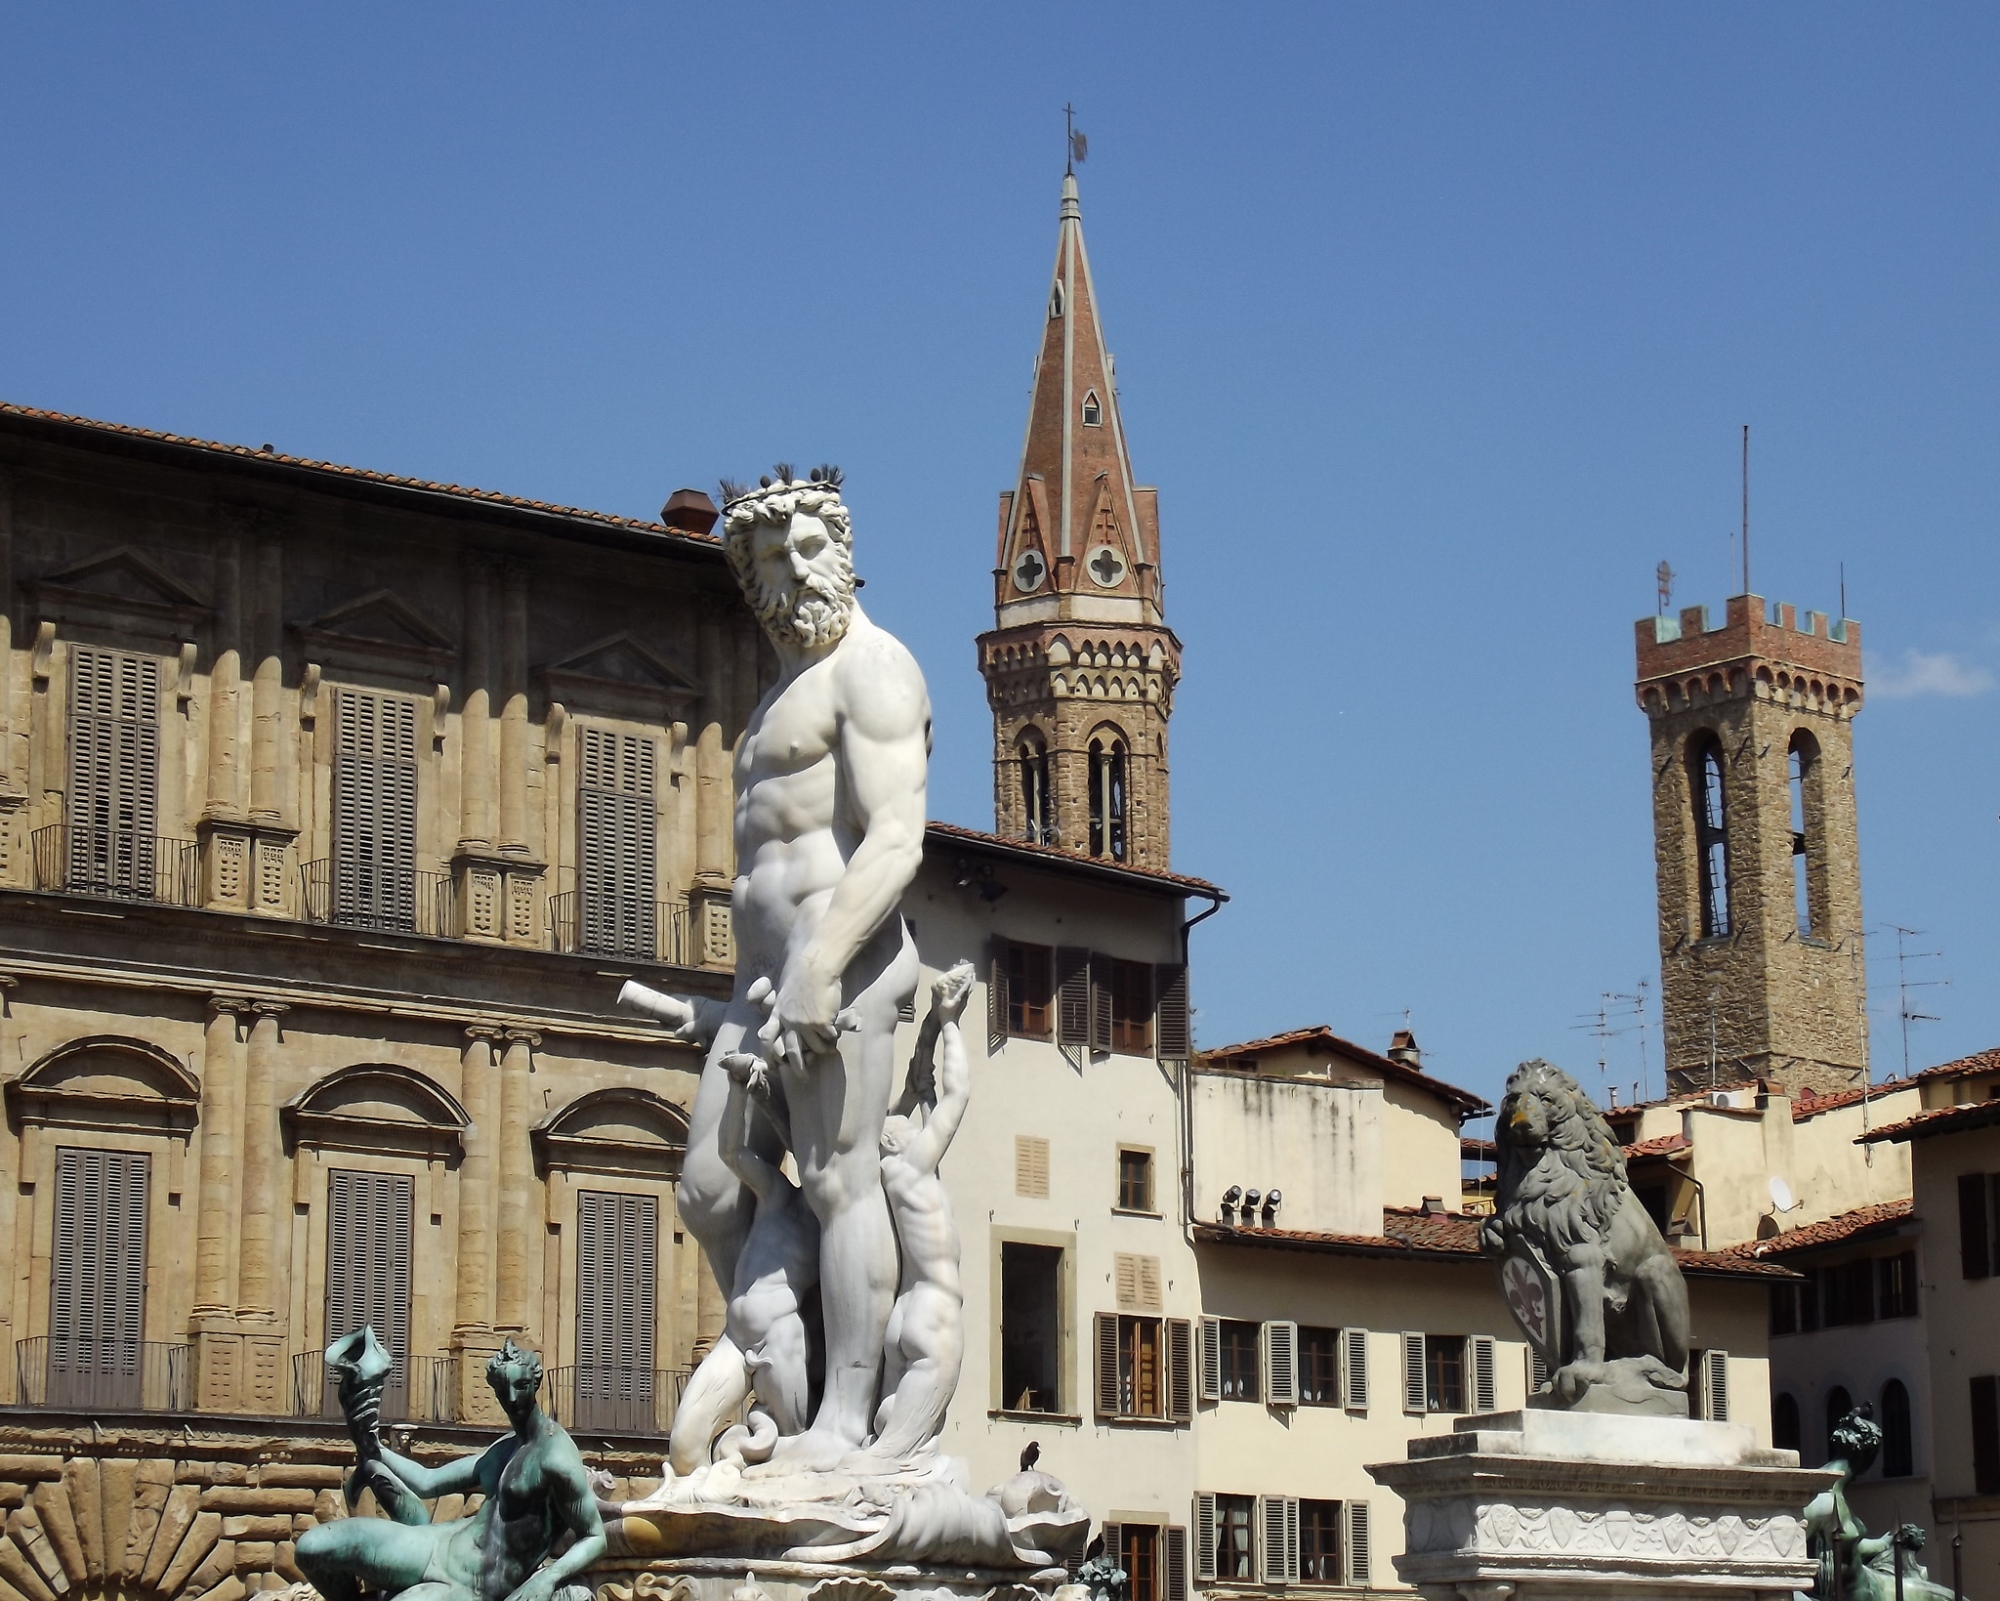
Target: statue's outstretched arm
{"points": [[952, 1073], [457, 1477], [693, 1018]]}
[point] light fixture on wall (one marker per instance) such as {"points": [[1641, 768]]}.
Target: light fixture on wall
{"points": [[1230, 1197]]}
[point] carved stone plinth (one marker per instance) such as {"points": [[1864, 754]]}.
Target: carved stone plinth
{"points": [[733, 1579], [1535, 1505]]}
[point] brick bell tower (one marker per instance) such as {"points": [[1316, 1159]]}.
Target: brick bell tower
{"points": [[1761, 956], [1080, 666]]}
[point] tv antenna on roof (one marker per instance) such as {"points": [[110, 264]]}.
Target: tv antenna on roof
{"points": [[1746, 508], [1663, 576]]}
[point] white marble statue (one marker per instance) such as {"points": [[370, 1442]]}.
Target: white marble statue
{"points": [[830, 781]]}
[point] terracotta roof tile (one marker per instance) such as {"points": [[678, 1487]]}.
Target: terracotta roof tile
{"points": [[1320, 1034], [1978, 1062], [1830, 1231], [1943, 1120], [1663, 1145], [1804, 1107], [1450, 1236], [489, 497], [1057, 857]]}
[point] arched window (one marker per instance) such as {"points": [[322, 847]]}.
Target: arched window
{"points": [[1898, 1459], [1711, 833], [1808, 834], [1785, 1423], [1838, 1404], [1093, 410], [1107, 798], [1038, 812], [1056, 300]]}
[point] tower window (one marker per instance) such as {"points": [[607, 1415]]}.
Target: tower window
{"points": [[1056, 299], [1038, 813], [1711, 833], [1107, 798], [1898, 1459], [1808, 834], [1093, 410]]}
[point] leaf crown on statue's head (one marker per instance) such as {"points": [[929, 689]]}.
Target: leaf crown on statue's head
{"points": [[509, 1359], [778, 494]]}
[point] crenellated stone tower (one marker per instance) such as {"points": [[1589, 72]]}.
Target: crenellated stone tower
{"points": [[1761, 956], [1080, 666]]}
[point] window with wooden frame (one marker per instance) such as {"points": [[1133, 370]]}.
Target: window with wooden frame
{"points": [[1319, 1366], [97, 1299], [368, 1272], [617, 1305], [375, 814], [1154, 1557], [1135, 1179], [1898, 1296], [1021, 993], [1030, 1327], [1319, 1543], [1144, 1367], [1131, 985], [1240, 1346], [112, 803], [1975, 1224], [617, 845], [1445, 1372], [1235, 1537]]}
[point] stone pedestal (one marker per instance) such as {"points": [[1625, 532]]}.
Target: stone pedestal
{"points": [[735, 1579], [1539, 1505]]}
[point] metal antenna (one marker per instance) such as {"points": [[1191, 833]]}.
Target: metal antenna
{"points": [[1843, 590], [1663, 576], [1746, 508], [1904, 984]]}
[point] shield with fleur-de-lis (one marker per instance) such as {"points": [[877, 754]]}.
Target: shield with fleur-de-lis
{"points": [[1534, 1296]]}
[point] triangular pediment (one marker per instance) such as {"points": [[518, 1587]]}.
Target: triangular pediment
{"points": [[127, 574], [621, 659], [380, 617]]}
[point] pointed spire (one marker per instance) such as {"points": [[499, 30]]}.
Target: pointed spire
{"points": [[1076, 522]]}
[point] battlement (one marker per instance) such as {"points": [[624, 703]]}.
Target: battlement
{"points": [[1751, 628]]}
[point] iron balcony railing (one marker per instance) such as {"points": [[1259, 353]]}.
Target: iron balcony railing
{"points": [[619, 925], [398, 900], [420, 1389], [616, 1399], [78, 860], [102, 1375]]}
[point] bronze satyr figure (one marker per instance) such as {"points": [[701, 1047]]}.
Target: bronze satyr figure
{"points": [[535, 1485]]}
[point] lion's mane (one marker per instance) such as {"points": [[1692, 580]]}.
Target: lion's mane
{"points": [[1567, 1191]]}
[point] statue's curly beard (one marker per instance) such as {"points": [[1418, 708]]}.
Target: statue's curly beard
{"points": [[808, 615]]}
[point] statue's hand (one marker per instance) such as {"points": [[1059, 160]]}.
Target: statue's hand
{"points": [[950, 993], [806, 1018], [538, 1586]]}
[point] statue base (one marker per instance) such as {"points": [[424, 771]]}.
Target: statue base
{"points": [[1537, 1505], [734, 1579]]}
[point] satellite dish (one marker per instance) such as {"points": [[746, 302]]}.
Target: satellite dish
{"points": [[1781, 1194]]}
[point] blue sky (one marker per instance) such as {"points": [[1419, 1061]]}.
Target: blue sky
{"points": [[1435, 325]]}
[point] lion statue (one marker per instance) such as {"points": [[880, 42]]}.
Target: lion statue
{"points": [[1564, 1201]]}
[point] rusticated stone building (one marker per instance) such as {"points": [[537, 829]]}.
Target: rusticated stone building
{"points": [[333, 807], [1080, 665], [1762, 971]]}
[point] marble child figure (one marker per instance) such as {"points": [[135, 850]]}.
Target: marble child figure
{"points": [[830, 779], [536, 1489], [926, 1339]]}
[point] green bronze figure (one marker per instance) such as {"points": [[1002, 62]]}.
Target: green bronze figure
{"points": [[534, 1483], [1852, 1562]]}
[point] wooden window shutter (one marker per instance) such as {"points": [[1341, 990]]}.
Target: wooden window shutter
{"points": [[1031, 1166], [1715, 1386], [618, 843], [114, 769], [1113, 1535], [1100, 1003], [1072, 995], [1271, 1539], [996, 998], [1358, 1544], [1137, 1281], [368, 1278], [1204, 1536], [1975, 1254], [1986, 1434], [1354, 1369], [1172, 1041], [1180, 1369], [1413, 1373], [97, 1302], [1539, 1377], [1211, 1361], [1175, 1567], [374, 810], [1484, 1380], [1106, 1346], [1281, 1363]]}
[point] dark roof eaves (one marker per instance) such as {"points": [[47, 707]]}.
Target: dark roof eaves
{"points": [[1146, 879]]}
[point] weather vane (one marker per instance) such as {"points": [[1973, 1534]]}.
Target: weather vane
{"points": [[1078, 146]]}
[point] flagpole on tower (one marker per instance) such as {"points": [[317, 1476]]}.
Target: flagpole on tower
{"points": [[1075, 146]]}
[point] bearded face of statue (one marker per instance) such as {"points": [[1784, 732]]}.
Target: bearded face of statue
{"points": [[799, 580]]}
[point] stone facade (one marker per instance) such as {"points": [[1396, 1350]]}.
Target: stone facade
{"points": [[1080, 666], [1753, 984]]}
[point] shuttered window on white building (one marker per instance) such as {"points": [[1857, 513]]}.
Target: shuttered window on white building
{"points": [[112, 805], [1278, 1539], [1281, 1363], [1354, 1369], [1359, 1543], [617, 856], [368, 1218], [97, 1301], [374, 811], [1485, 1385]]}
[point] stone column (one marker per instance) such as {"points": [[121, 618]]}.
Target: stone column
{"points": [[514, 711], [475, 751], [472, 1336], [218, 1345], [267, 779], [224, 828], [517, 1179], [254, 1298], [708, 895]]}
